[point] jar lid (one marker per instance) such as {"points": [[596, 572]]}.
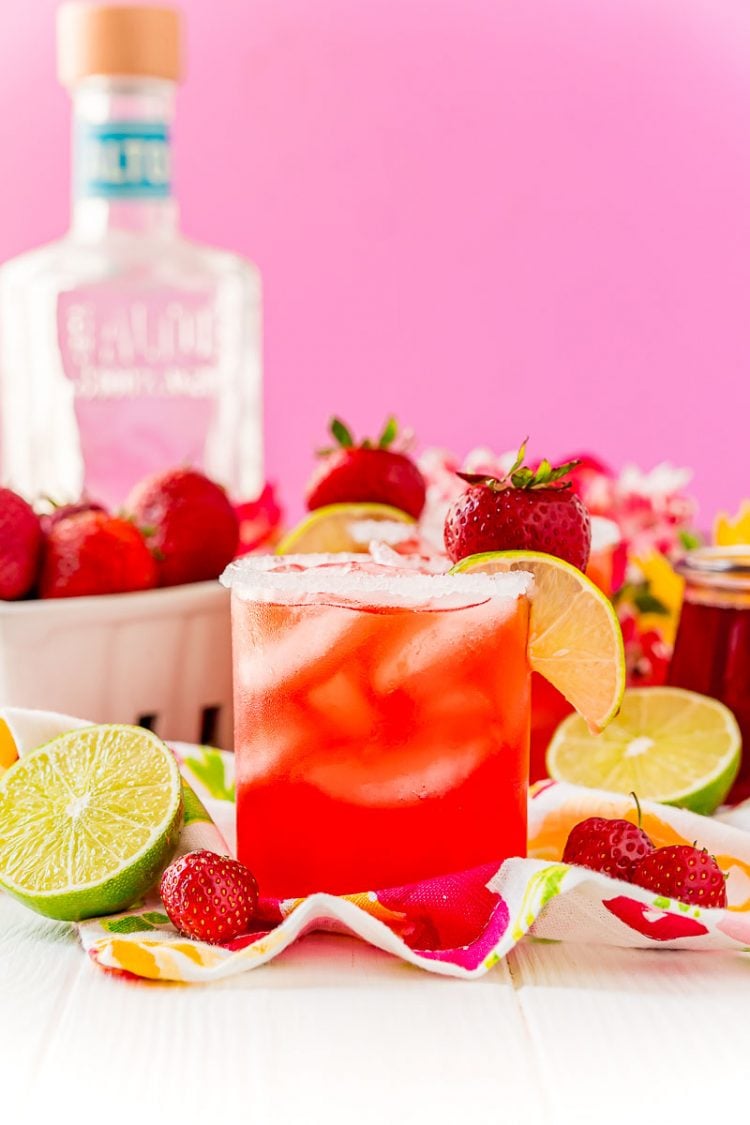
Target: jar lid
{"points": [[115, 40], [724, 568]]}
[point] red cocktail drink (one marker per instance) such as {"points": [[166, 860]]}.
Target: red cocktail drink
{"points": [[382, 722]]}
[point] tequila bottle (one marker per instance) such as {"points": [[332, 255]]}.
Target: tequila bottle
{"points": [[125, 348]]}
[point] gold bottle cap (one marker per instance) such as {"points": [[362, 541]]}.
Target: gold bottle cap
{"points": [[117, 40], [717, 575]]}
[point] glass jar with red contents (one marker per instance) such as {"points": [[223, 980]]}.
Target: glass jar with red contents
{"points": [[712, 649]]}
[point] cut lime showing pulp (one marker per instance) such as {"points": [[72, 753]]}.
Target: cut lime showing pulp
{"points": [[575, 640], [88, 821], [666, 744], [345, 527]]}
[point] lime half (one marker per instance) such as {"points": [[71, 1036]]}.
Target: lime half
{"points": [[346, 527], [575, 640], [88, 821], [666, 744]]}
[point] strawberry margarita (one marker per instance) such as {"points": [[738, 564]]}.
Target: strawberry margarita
{"points": [[381, 721]]}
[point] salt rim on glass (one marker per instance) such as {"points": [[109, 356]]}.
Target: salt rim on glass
{"points": [[360, 582]]}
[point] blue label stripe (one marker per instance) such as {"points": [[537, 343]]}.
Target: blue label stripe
{"points": [[123, 160], [127, 129]]}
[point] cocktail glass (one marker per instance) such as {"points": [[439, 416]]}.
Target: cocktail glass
{"points": [[381, 721]]}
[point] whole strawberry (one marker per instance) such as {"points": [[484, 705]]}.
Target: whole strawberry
{"points": [[93, 553], [65, 511], [527, 510], [209, 897], [20, 545], [688, 874], [367, 472], [611, 846], [189, 523]]}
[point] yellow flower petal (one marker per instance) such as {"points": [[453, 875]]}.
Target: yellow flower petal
{"points": [[666, 585], [731, 531]]}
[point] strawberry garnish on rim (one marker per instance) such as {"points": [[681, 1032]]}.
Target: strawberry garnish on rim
{"points": [[525, 510], [367, 471]]}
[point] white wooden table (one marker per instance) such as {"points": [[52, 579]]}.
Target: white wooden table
{"points": [[334, 1032]]}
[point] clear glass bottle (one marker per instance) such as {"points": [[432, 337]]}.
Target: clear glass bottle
{"points": [[124, 348]]}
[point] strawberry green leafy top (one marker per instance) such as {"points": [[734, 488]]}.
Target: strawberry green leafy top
{"points": [[521, 476]]}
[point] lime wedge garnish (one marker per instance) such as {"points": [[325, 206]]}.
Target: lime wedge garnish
{"points": [[666, 744], [575, 640], [345, 527], [88, 821]]}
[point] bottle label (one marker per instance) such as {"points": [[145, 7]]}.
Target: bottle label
{"points": [[123, 160], [146, 381]]}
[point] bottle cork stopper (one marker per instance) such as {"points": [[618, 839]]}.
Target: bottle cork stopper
{"points": [[117, 40]]}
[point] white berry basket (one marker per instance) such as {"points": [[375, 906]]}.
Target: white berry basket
{"points": [[160, 658]]}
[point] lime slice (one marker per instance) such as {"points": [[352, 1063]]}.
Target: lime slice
{"points": [[666, 744], [575, 640], [88, 821], [346, 527]]}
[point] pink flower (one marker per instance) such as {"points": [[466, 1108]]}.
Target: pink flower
{"points": [[650, 508], [260, 521]]}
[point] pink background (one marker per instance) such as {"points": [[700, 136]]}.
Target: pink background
{"points": [[493, 216]]}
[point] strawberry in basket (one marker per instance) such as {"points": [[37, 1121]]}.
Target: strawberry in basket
{"points": [[20, 546], [189, 523], [91, 552]]}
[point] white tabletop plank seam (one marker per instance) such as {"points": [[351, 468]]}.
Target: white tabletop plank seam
{"points": [[55, 1022], [516, 978]]}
